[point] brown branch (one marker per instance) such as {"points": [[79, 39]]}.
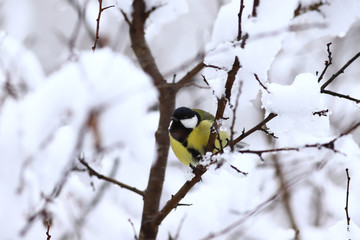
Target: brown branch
{"points": [[238, 170], [328, 145], [335, 94], [327, 62], [139, 44], [200, 170], [175, 199], [133, 227], [167, 94], [312, 7], [48, 231], [93, 172], [347, 199], [261, 84], [254, 129], [222, 104], [187, 78], [239, 36], [334, 76], [286, 194], [255, 6], [101, 9]]}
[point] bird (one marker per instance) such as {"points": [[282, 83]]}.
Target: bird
{"points": [[189, 132]]}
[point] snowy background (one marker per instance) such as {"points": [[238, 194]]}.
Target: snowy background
{"points": [[53, 86]]}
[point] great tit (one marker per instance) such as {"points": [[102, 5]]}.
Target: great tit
{"points": [[189, 133]]}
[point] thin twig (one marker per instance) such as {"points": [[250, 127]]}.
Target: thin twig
{"points": [[335, 94], [179, 228], [239, 36], [254, 129], [327, 145], [238, 170], [261, 84], [101, 9], [327, 62], [93, 172], [81, 13], [334, 76], [254, 10], [133, 228], [48, 231], [187, 78], [347, 199], [175, 199], [249, 214]]}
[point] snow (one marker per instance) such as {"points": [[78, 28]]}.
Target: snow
{"points": [[50, 89], [295, 106], [339, 231]]}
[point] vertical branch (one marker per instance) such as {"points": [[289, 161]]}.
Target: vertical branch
{"points": [[347, 199], [254, 10], [239, 36], [48, 236], [101, 9], [167, 93], [200, 170], [327, 62], [222, 103], [286, 195]]}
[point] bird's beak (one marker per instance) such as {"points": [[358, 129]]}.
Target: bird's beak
{"points": [[174, 118]]}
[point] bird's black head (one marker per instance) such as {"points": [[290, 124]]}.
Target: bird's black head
{"points": [[183, 121], [187, 117]]}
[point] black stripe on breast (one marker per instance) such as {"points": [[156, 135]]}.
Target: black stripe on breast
{"points": [[195, 154]]}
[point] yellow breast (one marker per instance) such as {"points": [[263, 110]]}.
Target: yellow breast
{"points": [[197, 139]]}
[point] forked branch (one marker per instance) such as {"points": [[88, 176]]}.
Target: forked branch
{"points": [[101, 9]]}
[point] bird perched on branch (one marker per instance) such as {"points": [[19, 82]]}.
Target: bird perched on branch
{"points": [[189, 133]]}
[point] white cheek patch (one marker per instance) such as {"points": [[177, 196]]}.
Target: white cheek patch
{"points": [[190, 123]]}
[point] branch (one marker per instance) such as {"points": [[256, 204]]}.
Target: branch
{"points": [[81, 14], [347, 199], [101, 9], [261, 84], [328, 145], [334, 76], [187, 78], [93, 172], [254, 129], [139, 44], [58, 187], [133, 227], [239, 36], [254, 10], [175, 199], [167, 94], [200, 170], [286, 194], [327, 62], [222, 104], [250, 213], [48, 231]]}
